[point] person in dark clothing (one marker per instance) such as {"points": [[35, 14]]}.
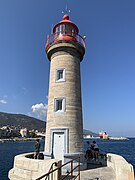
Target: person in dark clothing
{"points": [[87, 155], [89, 152], [37, 149], [95, 151]]}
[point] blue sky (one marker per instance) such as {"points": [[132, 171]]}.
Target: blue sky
{"points": [[107, 71]]}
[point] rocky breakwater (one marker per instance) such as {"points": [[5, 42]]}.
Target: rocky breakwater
{"points": [[118, 138]]}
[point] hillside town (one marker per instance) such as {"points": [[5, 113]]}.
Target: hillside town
{"points": [[11, 132]]}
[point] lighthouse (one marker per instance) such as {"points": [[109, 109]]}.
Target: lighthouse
{"points": [[65, 49]]}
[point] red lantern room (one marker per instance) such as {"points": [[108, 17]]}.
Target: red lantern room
{"points": [[65, 30]]}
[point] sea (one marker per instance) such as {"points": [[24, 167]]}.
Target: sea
{"points": [[125, 148]]}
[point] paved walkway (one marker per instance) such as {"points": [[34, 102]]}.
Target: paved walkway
{"points": [[102, 173], [96, 170]]}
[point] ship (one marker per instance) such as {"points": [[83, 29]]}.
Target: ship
{"points": [[103, 135]]}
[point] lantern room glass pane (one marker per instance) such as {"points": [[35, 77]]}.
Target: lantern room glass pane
{"points": [[66, 29]]}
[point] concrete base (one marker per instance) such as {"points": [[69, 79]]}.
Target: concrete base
{"points": [[26, 168], [102, 173], [68, 157], [71, 156], [123, 170]]}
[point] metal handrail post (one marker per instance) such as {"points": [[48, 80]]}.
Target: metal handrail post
{"points": [[59, 171], [71, 169], [79, 167]]}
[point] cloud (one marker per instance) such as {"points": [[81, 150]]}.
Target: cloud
{"points": [[2, 101], [39, 110]]}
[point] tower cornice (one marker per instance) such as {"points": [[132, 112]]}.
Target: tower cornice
{"points": [[63, 46]]}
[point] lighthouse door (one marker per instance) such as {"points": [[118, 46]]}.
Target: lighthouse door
{"points": [[58, 145]]}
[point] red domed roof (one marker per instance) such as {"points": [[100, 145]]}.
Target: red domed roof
{"points": [[66, 21]]}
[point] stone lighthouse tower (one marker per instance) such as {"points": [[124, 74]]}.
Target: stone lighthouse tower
{"points": [[65, 49]]}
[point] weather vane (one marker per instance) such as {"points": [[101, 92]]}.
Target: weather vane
{"points": [[66, 11]]}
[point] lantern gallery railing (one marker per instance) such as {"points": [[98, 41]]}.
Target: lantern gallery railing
{"points": [[67, 36]]}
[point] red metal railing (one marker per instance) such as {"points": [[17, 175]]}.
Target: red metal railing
{"points": [[55, 37]]}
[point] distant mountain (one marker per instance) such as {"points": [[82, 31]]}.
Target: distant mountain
{"points": [[88, 132], [21, 121]]}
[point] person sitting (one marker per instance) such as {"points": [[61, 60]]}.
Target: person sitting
{"points": [[95, 151], [88, 151]]}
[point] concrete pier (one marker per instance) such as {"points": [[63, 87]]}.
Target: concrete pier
{"points": [[26, 168]]}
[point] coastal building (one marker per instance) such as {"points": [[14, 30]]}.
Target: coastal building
{"points": [[65, 49], [3, 133], [24, 132], [6, 132]]}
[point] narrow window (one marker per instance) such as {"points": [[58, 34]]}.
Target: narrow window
{"points": [[59, 104], [60, 75]]}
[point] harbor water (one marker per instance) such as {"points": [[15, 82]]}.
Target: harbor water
{"points": [[125, 148]]}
